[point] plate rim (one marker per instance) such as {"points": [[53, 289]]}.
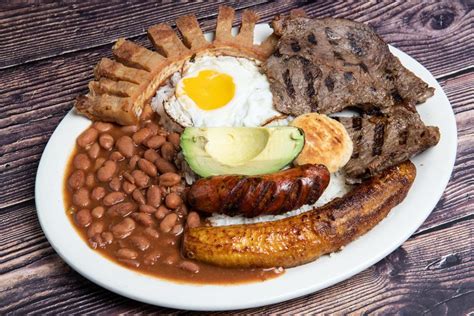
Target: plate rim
{"points": [[213, 305]]}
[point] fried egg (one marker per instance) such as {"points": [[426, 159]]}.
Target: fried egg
{"points": [[218, 91]]}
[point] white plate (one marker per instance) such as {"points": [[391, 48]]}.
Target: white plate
{"points": [[434, 169]]}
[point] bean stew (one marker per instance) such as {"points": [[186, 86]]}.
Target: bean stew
{"points": [[125, 194]]}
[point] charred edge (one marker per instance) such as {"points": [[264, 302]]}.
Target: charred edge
{"points": [[277, 53], [403, 137], [329, 82], [309, 77], [338, 56], [364, 67], [397, 98], [288, 84], [355, 48], [295, 46], [348, 76], [379, 132], [357, 123], [312, 39], [234, 198], [266, 192]]}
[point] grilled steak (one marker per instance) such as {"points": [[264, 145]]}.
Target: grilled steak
{"points": [[384, 141], [327, 65]]}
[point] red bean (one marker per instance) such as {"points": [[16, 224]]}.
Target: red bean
{"points": [[167, 151], [106, 172], [168, 222], [125, 146], [115, 184], [94, 151], [98, 212], [189, 266], [122, 209], [102, 126], [128, 187], [133, 161], [173, 200], [152, 257], [106, 141], [155, 142], [76, 179], [174, 139], [90, 180], [151, 155], [124, 228], [164, 166], [95, 228], [98, 193], [129, 129], [87, 138], [141, 135], [81, 197], [147, 167], [152, 232], [169, 179], [161, 212], [82, 162], [83, 217], [147, 209], [126, 253], [140, 242], [138, 196], [116, 156], [153, 196], [143, 218], [113, 198], [141, 179]]}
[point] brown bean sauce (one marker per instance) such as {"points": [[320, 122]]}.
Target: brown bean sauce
{"points": [[129, 216]]}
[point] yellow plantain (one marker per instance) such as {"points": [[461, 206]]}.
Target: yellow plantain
{"points": [[303, 238]]}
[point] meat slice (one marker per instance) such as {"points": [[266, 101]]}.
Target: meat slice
{"points": [[383, 141], [326, 65]]}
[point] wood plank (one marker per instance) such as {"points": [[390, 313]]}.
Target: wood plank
{"points": [[430, 273], [56, 28], [434, 33]]}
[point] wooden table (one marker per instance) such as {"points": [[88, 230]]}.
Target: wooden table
{"points": [[47, 53]]}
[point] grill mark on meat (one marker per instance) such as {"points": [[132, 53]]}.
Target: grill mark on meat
{"points": [[348, 76], [288, 84], [357, 123], [338, 56], [309, 78], [355, 48], [364, 67], [379, 133], [295, 46], [403, 137], [331, 36], [312, 39], [277, 53], [235, 196], [397, 98], [266, 192], [329, 82]]}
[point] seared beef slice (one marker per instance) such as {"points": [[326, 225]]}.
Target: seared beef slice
{"points": [[326, 65], [384, 141]]}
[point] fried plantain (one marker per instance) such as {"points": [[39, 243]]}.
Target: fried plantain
{"points": [[303, 238]]}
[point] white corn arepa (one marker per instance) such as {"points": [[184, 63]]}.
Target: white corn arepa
{"points": [[326, 141]]}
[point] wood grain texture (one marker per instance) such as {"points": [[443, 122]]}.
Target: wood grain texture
{"points": [[49, 54], [435, 33], [53, 29], [431, 273]]}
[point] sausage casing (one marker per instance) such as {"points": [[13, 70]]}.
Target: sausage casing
{"points": [[268, 194], [300, 239]]}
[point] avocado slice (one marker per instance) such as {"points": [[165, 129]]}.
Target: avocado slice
{"points": [[240, 150]]}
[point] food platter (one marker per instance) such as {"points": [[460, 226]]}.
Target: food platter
{"points": [[433, 171]]}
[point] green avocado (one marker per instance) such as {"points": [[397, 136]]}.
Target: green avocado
{"points": [[240, 150]]}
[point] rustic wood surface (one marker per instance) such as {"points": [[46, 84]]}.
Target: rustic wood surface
{"points": [[46, 59]]}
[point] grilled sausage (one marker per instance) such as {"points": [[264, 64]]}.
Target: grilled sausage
{"points": [[269, 194], [300, 239]]}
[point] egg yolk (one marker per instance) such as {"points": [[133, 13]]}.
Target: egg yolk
{"points": [[210, 89]]}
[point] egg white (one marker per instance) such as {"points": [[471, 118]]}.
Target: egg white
{"points": [[252, 104]]}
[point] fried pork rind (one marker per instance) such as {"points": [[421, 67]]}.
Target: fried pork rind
{"points": [[123, 86]]}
